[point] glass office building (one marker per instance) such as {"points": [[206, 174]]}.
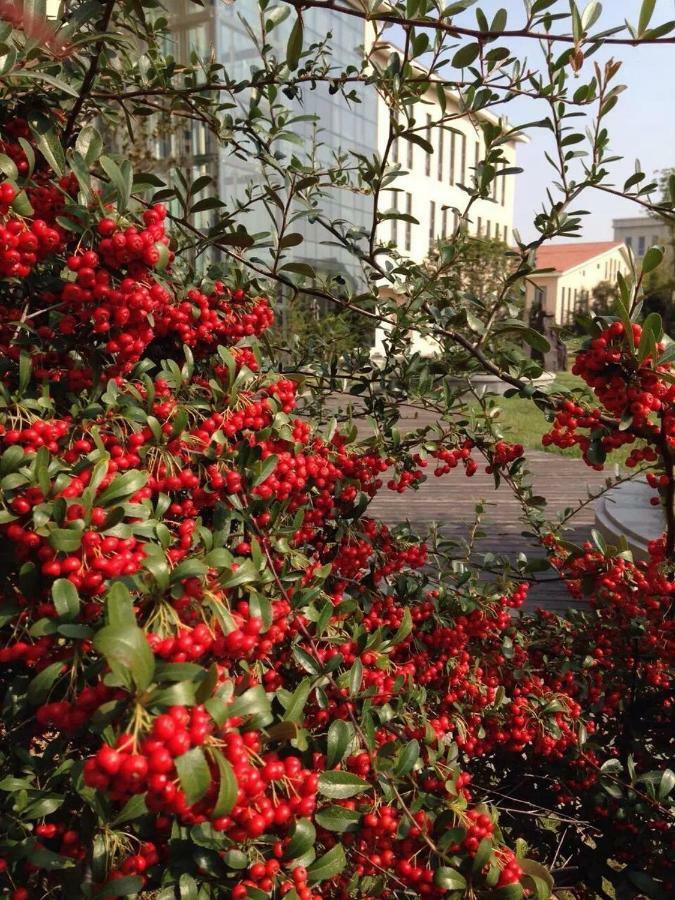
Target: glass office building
{"points": [[218, 30]]}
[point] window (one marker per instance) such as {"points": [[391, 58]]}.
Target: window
{"points": [[444, 222], [427, 161], [477, 156], [408, 225], [394, 222], [410, 154], [453, 148], [432, 224], [393, 125], [197, 40], [505, 238], [479, 226], [440, 153], [488, 226], [497, 231], [504, 188], [463, 162], [199, 139], [629, 242], [641, 245]]}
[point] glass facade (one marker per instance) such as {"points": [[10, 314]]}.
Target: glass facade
{"points": [[338, 125]]}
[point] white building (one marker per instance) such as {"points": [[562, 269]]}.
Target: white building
{"points": [[639, 233], [429, 188], [577, 269]]}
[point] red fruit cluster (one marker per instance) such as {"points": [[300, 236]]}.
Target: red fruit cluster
{"points": [[630, 388], [23, 245]]}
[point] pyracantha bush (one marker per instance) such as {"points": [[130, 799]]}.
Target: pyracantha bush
{"points": [[216, 669], [221, 677]]}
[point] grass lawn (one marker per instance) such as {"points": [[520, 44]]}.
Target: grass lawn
{"points": [[524, 423]]}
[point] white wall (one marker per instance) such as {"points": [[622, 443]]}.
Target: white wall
{"points": [[435, 178], [425, 183], [563, 290]]}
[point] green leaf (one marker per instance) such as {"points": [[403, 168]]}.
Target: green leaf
{"points": [[42, 683], [294, 45], [182, 693], [66, 599], [499, 22], [307, 661], [355, 677], [254, 702], [128, 654], [337, 818], [341, 785], [483, 854], [407, 758], [266, 468], [42, 807], [340, 736], [327, 866], [296, 704], [449, 879], [65, 540], [194, 774], [302, 838], [25, 369], [227, 789], [466, 55], [542, 880], [89, 144], [121, 179], [591, 14], [189, 568], [122, 487], [49, 145], [244, 574], [22, 205], [652, 259], [404, 628], [646, 13], [8, 167], [133, 809], [11, 460], [48, 79], [119, 609], [666, 784]]}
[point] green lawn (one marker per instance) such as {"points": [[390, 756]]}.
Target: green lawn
{"points": [[524, 423]]}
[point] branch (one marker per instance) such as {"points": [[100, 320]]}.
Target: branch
{"points": [[90, 75], [475, 33]]}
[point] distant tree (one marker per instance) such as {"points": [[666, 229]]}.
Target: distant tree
{"points": [[475, 266]]}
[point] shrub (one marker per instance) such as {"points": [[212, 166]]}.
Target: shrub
{"points": [[221, 677]]}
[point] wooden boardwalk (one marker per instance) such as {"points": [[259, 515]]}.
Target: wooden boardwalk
{"points": [[451, 500]]}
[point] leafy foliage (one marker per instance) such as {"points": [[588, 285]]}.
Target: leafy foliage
{"points": [[220, 676]]}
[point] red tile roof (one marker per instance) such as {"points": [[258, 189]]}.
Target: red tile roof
{"points": [[562, 257]]}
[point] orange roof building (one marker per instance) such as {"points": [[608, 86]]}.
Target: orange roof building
{"points": [[575, 269]]}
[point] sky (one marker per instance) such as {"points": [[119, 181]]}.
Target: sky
{"points": [[641, 126]]}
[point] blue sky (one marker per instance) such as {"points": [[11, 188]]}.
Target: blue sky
{"points": [[641, 126]]}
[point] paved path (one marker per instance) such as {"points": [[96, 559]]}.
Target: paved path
{"points": [[450, 501]]}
